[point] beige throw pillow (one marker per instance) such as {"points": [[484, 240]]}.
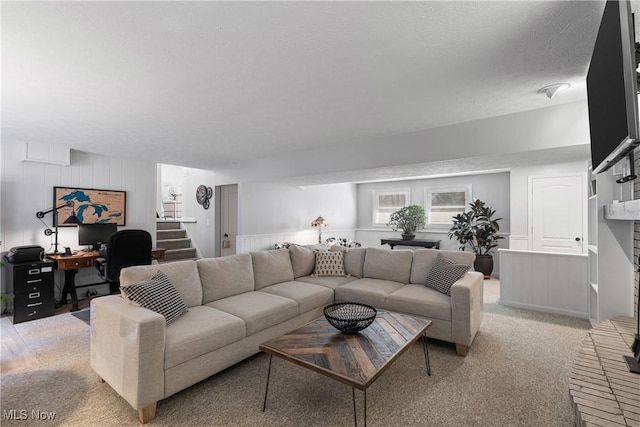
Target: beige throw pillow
{"points": [[329, 264]]}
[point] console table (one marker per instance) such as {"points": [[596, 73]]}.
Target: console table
{"points": [[602, 389], [421, 243]]}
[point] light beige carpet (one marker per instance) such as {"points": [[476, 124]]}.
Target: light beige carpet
{"points": [[516, 374]]}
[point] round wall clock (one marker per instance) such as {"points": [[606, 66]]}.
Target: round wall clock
{"points": [[201, 194]]}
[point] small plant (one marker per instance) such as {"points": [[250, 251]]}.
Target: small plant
{"points": [[408, 219], [476, 229]]}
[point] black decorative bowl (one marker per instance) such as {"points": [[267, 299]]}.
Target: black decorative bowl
{"points": [[349, 317]]}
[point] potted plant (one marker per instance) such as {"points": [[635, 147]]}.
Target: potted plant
{"points": [[477, 230], [408, 219], [5, 299]]}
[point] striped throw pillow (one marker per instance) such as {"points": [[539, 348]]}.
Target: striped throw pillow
{"points": [[157, 294], [444, 273]]}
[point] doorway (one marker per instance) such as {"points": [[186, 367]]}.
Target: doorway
{"points": [[556, 217], [226, 219]]}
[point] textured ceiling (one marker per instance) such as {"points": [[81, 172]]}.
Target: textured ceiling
{"points": [[202, 84]]}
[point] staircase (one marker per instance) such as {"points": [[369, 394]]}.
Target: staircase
{"points": [[172, 237]]}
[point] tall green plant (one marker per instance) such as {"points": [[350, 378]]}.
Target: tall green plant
{"points": [[476, 229], [408, 219]]}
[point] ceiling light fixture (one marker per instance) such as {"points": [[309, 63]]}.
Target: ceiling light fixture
{"points": [[553, 89]]}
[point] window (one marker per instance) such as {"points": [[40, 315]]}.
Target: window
{"points": [[387, 202], [443, 203]]}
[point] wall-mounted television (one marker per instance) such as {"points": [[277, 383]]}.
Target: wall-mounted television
{"points": [[612, 88]]}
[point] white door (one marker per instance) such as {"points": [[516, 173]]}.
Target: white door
{"points": [[228, 219], [557, 214]]}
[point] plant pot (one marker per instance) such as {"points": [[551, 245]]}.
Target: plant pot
{"points": [[484, 264], [408, 236]]}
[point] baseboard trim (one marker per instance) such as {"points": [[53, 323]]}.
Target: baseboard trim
{"points": [[544, 309]]}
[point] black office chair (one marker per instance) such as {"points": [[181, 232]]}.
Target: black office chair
{"points": [[125, 248]]}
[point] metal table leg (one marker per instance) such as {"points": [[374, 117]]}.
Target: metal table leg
{"points": [[426, 354], [355, 417], [264, 404]]}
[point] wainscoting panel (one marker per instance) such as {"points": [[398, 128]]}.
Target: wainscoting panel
{"points": [[544, 281], [260, 242]]}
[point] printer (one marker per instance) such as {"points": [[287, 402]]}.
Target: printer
{"points": [[24, 254]]}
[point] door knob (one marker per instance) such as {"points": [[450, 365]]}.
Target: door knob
{"points": [[577, 239]]}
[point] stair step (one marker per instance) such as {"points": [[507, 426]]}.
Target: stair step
{"points": [[179, 254], [171, 234], [174, 243], [168, 225]]}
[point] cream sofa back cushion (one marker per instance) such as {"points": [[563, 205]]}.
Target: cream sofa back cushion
{"points": [[183, 274], [353, 259], [271, 267], [303, 260], [225, 277], [386, 264], [423, 259]]}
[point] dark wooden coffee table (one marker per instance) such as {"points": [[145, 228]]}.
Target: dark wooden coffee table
{"points": [[356, 360]]}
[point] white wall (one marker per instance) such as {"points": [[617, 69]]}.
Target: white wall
{"points": [[27, 187], [492, 188], [520, 196], [272, 211]]}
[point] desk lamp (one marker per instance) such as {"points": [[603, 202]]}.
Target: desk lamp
{"points": [[73, 219]]}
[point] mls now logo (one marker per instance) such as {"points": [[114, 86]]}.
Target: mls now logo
{"points": [[23, 414]]}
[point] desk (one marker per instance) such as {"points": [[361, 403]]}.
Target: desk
{"points": [[70, 264], [426, 243]]}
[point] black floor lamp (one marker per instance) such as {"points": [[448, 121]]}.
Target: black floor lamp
{"points": [[73, 219]]}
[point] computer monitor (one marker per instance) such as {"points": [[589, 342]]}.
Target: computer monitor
{"points": [[95, 234]]}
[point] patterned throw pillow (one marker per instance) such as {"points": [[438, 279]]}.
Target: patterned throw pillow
{"points": [[444, 273], [329, 264], [157, 294]]}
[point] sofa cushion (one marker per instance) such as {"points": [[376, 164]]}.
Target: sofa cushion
{"points": [[202, 330], [329, 264], [423, 259], [307, 295], [353, 259], [387, 264], [226, 276], [271, 267], [259, 310], [330, 282], [444, 273], [367, 291], [303, 260], [158, 294], [183, 274], [421, 301]]}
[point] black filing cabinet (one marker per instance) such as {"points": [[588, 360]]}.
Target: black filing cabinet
{"points": [[30, 285]]}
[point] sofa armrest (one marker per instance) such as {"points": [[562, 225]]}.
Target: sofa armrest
{"points": [[127, 349], [466, 307]]}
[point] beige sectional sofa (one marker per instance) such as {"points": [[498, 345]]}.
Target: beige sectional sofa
{"points": [[237, 302]]}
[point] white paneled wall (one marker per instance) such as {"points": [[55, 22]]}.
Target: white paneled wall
{"points": [[544, 281], [27, 187], [259, 242]]}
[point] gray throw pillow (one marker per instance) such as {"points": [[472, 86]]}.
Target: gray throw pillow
{"points": [[444, 273], [157, 294]]}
